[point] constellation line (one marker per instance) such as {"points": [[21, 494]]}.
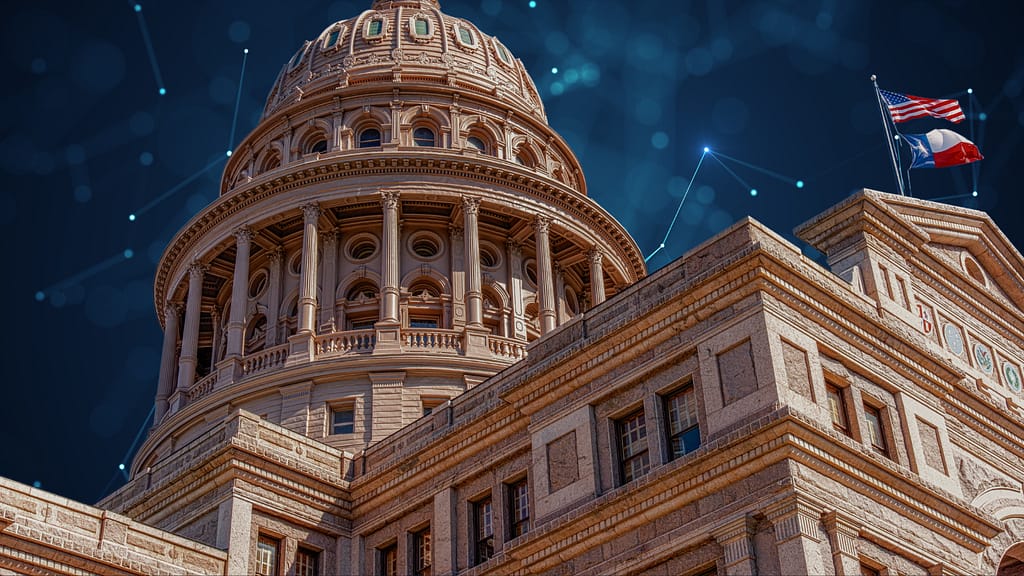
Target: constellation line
{"points": [[90, 271], [732, 173], [149, 206], [680, 207], [757, 168], [238, 100], [149, 46]]}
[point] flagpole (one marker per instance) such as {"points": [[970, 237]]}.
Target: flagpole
{"points": [[888, 136]]}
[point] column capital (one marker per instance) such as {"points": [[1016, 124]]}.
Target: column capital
{"points": [[329, 235], [542, 223], [196, 269], [173, 308], [595, 255], [470, 205], [842, 531], [276, 254], [794, 517], [456, 232], [310, 212], [243, 234], [514, 247], [389, 198]]}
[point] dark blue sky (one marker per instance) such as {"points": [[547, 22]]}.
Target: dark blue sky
{"points": [[640, 87]]}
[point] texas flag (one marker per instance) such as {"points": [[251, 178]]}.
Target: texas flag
{"points": [[941, 148]]}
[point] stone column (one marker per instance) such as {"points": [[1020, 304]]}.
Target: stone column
{"points": [[442, 532], [594, 256], [165, 383], [215, 321], [545, 280], [390, 257], [239, 291], [327, 319], [474, 292], [736, 539], [276, 258], [560, 304], [456, 237], [307, 281], [796, 536], [842, 537], [515, 292], [234, 532], [190, 337]]}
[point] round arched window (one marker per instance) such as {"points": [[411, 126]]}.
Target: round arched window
{"points": [[423, 136], [369, 138], [318, 146], [476, 142], [362, 291]]}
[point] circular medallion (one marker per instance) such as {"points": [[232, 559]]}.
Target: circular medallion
{"points": [[984, 358], [954, 341], [1012, 377]]}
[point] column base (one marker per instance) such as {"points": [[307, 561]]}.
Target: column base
{"points": [[476, 342], [389, 338], [229, 371], [301, 349]]}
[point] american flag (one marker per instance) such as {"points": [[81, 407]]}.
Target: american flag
{"points": [[905, 107]]}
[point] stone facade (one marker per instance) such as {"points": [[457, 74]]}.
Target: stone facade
{"points": [[495, 388]]}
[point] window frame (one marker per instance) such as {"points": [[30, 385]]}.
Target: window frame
{"points": [[420, 548], [311, 569], [626, 455], [835, 397], [264, 567], [518, 524], [361, 142], [419, 141], [672, 436], [877, 436], [387, 559], [341, 407], [481, 530]]}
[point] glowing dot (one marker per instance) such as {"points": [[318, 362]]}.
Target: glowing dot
{"points": [[146, 158], [120, 466], [37, 484], [40, 296], [982, 116], [896, 137], [662, 245], [753, 191], [970, 90], [554, 69], [128, 253], [138, 7], [799, 183], [163, 91], [975, 193], [228, 153], [131, 217], [246, 51], [706, 149], [533, 4]]}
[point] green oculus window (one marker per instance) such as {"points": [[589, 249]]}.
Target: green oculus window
{"points": [[466, 36]]}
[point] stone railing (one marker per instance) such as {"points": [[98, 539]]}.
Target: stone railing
{"points": [[506, 347], [432, 340], [201, 388], [342, 343], [264, 360]]}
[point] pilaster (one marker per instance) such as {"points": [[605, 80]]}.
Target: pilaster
{"points": [[796, 536], [239, 291], [545, 275], [736, 539], [842, 538], [594, 257]]}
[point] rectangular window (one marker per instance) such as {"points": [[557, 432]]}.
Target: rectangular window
{"points": [[431, 403], [307, 562], [375, 28], [837, 407], [518, 508], [421, 552], [483, 531], [866, 570], [343, 419], [387, 560], [681, 422], [422, 27], [423, 323], [268, 550], [876, 431], [633, 459], [332, 38]]}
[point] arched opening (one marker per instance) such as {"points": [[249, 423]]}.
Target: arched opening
{"points": [[493, 312], [1012, 563], [256, 334], [362, 305], [369, 138], [423, 136], [271, 161], [423, 305]]}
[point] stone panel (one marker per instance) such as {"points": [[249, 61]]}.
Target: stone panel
{"points": [[736, 370], [798, 376], [931, 446], [563, 464]]}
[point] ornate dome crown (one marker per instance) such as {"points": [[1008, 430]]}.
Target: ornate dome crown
{"points": [[408, 42]]}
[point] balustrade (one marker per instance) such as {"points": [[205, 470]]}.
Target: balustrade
{"points": [[341, 343], [264, 360]]}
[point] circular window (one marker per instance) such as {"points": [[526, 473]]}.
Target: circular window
{"points": [[425, 245], [361, 247], [530, 271], [974, 270], [258, 284], [295, 263], [490, 256]]}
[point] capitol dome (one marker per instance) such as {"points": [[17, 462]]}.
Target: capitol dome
{"points": [[401, 225]]}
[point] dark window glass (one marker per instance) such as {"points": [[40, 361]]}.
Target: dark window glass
{"points": [[318, 146], [307, 562], [634, 460], [466, 36], [681, 418], [343, 420], [332, 38], [518, 508], [421, 558], [474, 142], [387, 559], [376, 28], [483, 531], [369, 138], [423, 137]]}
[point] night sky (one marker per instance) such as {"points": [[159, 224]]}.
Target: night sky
{"points": [[637, 88]]}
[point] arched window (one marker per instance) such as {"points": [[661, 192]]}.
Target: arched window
{"points": [[272, 160], [318, 146], [365, 290], [424, 304], [369, 138], [423, 136], [256, 334], [476, 142]]}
